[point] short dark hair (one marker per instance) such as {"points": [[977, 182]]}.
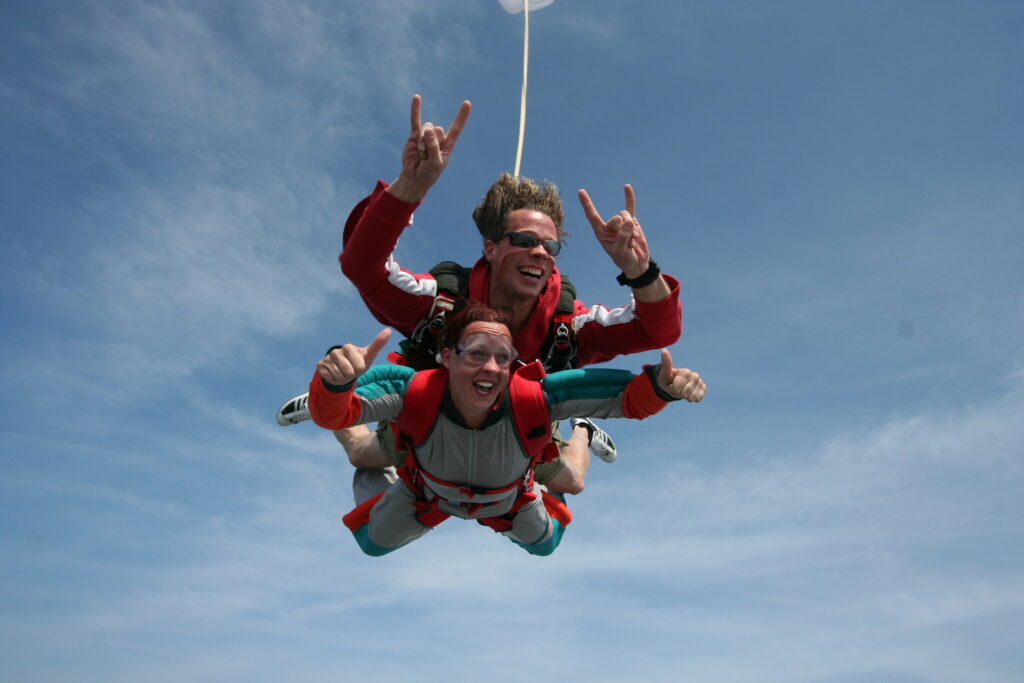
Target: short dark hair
{"points": [[510, 193], [472, 313]]}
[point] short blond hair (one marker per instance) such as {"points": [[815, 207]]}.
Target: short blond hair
{"points": [[510, 193]]}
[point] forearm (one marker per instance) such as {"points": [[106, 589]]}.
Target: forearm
{"points": [[377, 395], [642, 326], [654, 292], [333, 409], [407, 190], [646, 281], [371, 234], [605, 393], [659, 313], [643, 397], [591, 392]]}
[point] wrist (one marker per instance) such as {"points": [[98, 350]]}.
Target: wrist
{"points": [[407, 190], [643, 279], [653, 373], [337, 388]]}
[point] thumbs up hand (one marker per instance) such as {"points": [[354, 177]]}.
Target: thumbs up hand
{"points": [[680, 383], [347, 363]]}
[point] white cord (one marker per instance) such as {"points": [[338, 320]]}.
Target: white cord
{"points": [[522, 101]]}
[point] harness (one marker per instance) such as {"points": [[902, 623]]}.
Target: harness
{"points": [[419, 351], [420, 411]]}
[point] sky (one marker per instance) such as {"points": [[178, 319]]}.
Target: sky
{"points": [[837, 185]]}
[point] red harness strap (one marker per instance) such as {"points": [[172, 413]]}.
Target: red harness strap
{"points": [[421, 405], [420, 409], [556, 508], [467, 491]]}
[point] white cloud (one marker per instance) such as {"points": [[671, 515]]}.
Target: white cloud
{"points": [[221, 130], [892, 542], [202, 542]]}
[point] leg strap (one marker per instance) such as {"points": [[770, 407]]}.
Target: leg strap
{"points": [[556, 507], [360, 516]]}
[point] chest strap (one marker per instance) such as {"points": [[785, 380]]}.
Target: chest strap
{"points": [[420, 411]]}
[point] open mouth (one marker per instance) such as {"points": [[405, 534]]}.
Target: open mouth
{"points": [[483, 388], [531, 271]]}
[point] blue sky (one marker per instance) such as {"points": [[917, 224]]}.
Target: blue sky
{"points": [[838, 185]]}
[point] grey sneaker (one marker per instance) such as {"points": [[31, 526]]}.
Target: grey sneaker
{"points": [[601, 444], [294, 411]]}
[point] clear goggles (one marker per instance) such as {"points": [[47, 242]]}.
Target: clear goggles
{"points": [[479, 348]]}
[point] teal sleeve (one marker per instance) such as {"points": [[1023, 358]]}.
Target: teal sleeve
{"points": [[381, 392], [380, 380], [586, 393], [589, 384]]}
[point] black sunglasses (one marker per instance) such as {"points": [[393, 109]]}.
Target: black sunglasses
{"points": [[525, 239]]}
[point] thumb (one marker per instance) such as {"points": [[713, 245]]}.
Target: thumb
{"points": [[378, 343], [665, 373]]}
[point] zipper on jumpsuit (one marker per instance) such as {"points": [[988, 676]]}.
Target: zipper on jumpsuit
{"points": [[471, 470]]}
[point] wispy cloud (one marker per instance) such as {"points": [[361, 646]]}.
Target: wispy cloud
{"points": [[772, 554], [220, 218], [844, 507]]}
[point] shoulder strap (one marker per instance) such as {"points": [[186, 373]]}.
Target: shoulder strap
{"points": [[421, 404], [566, 297], [530, 410], [559, 348], [452, 278], [420, 409], [421, 348]]}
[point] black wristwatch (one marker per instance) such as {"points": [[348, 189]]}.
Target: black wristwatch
{"points": [[648, 276]]}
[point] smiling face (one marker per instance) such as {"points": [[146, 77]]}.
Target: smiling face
{"points": [[520, 272], [475, 389]]}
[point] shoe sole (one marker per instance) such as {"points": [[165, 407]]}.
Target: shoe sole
{"points": [[290, 414]]}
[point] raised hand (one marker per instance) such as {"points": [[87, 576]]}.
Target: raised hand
{"points": [[426, 153], [621, 235], [346, 364], [680, 382]]}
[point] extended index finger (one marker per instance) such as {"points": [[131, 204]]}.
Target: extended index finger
{"points": [[458, 122], [590, 210]]}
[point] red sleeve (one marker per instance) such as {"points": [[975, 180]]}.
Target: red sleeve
{"points": [[395, 296], [640, 400], [607, 333], [333, 410]]}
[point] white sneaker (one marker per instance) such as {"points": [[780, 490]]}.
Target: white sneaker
{"points": [[294, 411], [601, 444]]}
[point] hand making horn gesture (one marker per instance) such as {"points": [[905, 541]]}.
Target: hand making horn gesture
{"points": [[680, 383], [621, 235], [346, 363], [426, 153], [623, 239]]}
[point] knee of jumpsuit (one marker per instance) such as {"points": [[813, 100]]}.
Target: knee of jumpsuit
{"points": [[362, 536], [547, 547]]}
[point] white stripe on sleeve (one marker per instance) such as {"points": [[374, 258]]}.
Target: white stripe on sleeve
{"points": [[606, 317], [405, 281]]}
